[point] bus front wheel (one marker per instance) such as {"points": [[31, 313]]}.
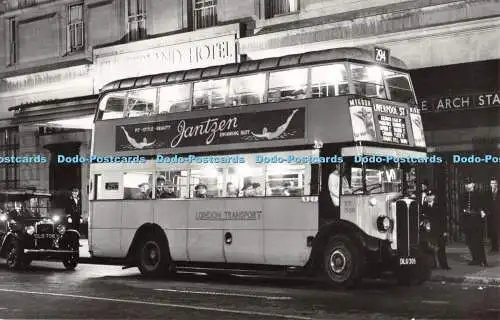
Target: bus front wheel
{"points": [[342, 262], [153, 258]]}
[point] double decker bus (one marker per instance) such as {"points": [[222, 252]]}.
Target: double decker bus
{"points": [[295, 163]]}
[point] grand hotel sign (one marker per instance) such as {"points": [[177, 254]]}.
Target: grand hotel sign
{"points": [[189, 55]]}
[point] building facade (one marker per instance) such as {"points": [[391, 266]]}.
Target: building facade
{"points": [[55, 55]]}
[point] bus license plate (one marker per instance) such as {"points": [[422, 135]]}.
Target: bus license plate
{"points": [[407, 261], [45, 236]]}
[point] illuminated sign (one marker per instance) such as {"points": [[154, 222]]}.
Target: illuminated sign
{"points": [[460, 102], [189, 55], [385, 121], [381, 55]]}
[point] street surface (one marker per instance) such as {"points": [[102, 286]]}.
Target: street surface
{"points": [[47, 291]]}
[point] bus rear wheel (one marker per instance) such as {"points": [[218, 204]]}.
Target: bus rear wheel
{"points": [[342, 262], [153, 258]]}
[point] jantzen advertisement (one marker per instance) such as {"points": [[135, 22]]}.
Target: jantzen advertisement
{"points": [[281, 124], [385, 121]]}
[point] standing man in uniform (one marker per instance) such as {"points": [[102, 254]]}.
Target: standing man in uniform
{"points": [[437, 216], [473, 222], [493, 211]]}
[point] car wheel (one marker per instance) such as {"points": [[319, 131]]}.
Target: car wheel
{"points": [[15, 255], [153, 257], [71, 261], [342, 262]]}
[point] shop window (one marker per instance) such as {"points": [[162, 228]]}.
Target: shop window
{"points": [[9, 147], [136, 19], [209, 94], [112, 107], [141, 103], [138, 186], [75, 28], [175, 98], [329, 81], [206, 182], [287, 85], [247, 90], [204, 13], [368, 81], [172, 184], [285, 180], [280, 7], [398, 87]]}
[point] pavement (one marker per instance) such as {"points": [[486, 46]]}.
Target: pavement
{"points": [[458, 259]]}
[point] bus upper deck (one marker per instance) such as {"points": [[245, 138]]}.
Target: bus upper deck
{"points": [[332, 96]]}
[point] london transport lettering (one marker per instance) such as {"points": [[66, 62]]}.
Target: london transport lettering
{"points": [[282, 124], [461, 102], [228, 215]]}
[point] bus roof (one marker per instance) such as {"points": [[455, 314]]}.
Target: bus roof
{"points": [[314, 57]]}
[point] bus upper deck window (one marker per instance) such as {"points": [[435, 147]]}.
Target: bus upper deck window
{"points": [[398, 85], [112, 107], [368, 81], [141, 103], [175, 98], [247, 90], [209, 94], [328, 81], [287, 85]]}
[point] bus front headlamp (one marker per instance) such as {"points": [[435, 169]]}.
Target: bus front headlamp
{"points": [[384, 223]]}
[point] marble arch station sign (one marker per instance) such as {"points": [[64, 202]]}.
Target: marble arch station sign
{"points": [[460, 102]]}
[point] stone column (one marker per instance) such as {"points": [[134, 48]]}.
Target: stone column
{"points": [[32, 174]]}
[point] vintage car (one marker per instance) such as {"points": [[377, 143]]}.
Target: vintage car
{"points": [[30, 230]]}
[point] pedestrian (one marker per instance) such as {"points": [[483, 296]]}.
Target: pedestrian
{"points": [[424, 188], [437, 216], [74, 209], [493, 210], [473, 222]]}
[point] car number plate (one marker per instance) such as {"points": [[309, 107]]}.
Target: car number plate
{"points": [[45, 236], [407, 261]]}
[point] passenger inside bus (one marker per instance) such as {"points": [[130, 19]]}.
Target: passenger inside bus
{"points": [[231, 190], [334, 186], [200, 191], [145, 191]]}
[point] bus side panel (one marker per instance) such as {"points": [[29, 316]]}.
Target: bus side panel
{"points": [[171, 216], [287, 224], [135, 214], [106, 217], [205, 230], [244, 224]]}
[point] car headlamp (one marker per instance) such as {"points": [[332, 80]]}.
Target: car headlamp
{"points": [[56, 218], [384, 223], [70, 220], [3, 217], [61, 228], [30, 230]]}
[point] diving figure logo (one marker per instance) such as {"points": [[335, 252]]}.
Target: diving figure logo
{"points": [[134, 143], [269, 135]]}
